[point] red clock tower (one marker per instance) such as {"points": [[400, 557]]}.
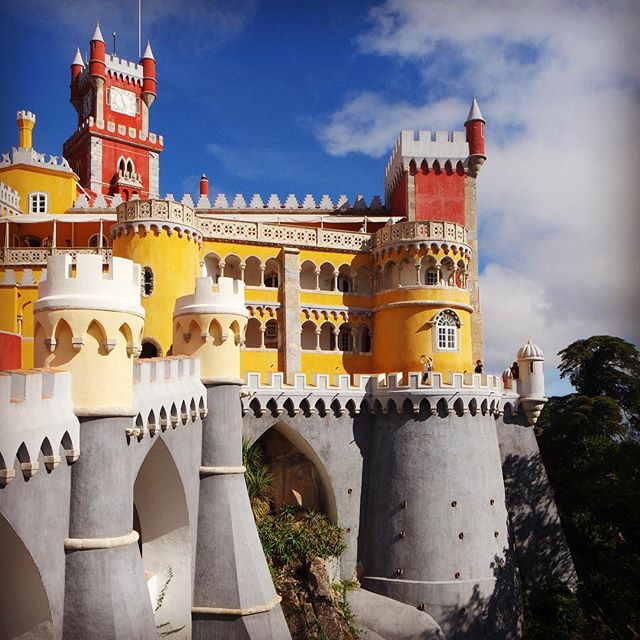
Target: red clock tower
{"points": [[112, 150]]}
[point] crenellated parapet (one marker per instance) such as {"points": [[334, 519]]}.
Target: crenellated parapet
{"points": [[443, 147], [32, 157], [89, 322], [36, 418], [9, 201], [211, 323], [155, 216], [292, 202], [382, 393], [167, 394], [89, 287]]}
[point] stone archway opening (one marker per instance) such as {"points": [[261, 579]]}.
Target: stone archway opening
{"points": [[161, 518], [25, 611], [300, 479]]}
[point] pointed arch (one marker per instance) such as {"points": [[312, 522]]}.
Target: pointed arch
{"points": [[160, 504], [303, 465]]}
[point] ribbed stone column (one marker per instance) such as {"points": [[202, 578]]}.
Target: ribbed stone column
{"points": [[234, 597]]}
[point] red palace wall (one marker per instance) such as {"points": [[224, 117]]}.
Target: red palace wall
{"points": [[399, 198], [439, 196], [111, 153], [10, 350]]}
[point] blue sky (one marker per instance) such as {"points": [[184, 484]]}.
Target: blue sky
{"points": [[305, 97]]}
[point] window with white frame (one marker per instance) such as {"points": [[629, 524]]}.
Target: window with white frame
{"points": [[447, 326], [38, 202]]}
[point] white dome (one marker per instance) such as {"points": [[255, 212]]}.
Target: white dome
{"points": [[530, 351], [507, 374]]}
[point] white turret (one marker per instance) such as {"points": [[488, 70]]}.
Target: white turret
{"points": [[531, 385], [89, 322]]}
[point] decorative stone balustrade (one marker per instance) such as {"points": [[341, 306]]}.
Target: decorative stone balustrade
{"points": [[459, 393], [167, 392], [34, 256], [264, 233], [36, 416], [426, 232], [161, 214]]}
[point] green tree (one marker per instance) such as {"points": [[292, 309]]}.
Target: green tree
{"points": [[594, 469], [605, 366]]}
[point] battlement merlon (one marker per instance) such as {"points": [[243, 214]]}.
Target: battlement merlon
{"points": [[227, 299], [117, 289], [25, 115], [425, 146], [36, 410], [167, 389]]}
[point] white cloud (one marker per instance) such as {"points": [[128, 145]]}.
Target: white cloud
{"points": [[559, 196]]}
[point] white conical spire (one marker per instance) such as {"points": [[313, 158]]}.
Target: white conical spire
{"points": [[474, 112], [147, 52], [78, 59], [97, 34]]}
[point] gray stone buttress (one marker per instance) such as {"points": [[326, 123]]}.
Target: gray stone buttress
{"points": [[234, 597], [106, 596]]}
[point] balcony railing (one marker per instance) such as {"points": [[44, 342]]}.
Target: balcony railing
{"points": [[36, 256]]}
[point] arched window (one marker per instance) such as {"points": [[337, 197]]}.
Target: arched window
{"points": [[362, 283], [121, 168], [308, 336], [146, 285], [447, 326], [271, 272], [232, 267], [253, 336], [345, 341], [212, 266], [327, 339], [130, 168], [308, 276], [150, 349], [271, 334], [345, 280], [326, 277], [364, 339], [38, 202], [252, 272], [93, 240]]}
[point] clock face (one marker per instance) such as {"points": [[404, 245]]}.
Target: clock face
{"points": [[123, 101]]}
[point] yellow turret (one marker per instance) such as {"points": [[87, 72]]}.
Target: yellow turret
{"points": [[90, 324], [210, 324], [422, 304], [161, 236], [26, 122]]}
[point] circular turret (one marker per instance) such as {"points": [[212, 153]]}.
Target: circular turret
{"points": [[420, 280], [149, 83], [89, 322], [531, 386], [161, 236], [210, 323], [97, 57]]}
